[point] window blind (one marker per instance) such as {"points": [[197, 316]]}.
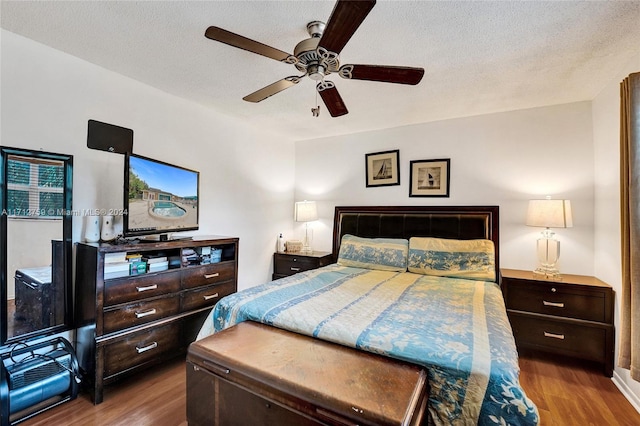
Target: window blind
{"points": [[35, 188]]}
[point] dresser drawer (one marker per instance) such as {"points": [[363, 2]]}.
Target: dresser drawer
{"points": [[140, 313], [584, 341], [140, 347], [197, 276], [208, 296], [128, 289], [558, 300]]}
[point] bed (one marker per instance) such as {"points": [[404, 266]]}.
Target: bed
{"points": [[420, 284]]}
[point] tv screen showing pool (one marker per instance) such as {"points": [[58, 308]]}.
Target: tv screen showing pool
{"points": [[161, 197]]}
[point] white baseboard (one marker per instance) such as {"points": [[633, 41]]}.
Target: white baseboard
{"points": [[631, 397]]}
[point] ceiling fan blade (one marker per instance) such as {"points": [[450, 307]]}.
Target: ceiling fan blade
{"points": [[342, 24], [331, 98], [272, 89], [235, 40], [387, 74]]}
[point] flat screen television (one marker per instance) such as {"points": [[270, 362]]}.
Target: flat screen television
{"points": [[159, 198]]}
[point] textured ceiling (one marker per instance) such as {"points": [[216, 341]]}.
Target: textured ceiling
{"points": [[479, 57]]}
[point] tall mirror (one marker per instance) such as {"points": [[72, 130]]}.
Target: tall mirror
{"points": [[35, 244]]}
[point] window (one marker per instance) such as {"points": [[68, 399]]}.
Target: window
{"points": [[35, 188]]}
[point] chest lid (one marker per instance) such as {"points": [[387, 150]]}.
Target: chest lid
{"points": [[337, 380]]}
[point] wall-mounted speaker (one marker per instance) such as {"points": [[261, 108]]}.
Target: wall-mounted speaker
{"points": [[109, 137]]}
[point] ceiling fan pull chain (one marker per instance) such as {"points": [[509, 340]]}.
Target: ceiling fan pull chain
{"points": [[316, 111]]}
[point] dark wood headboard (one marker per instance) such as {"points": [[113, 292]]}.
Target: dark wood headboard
{"points": [[455, 222]]}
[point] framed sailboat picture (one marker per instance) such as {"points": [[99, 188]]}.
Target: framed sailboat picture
{"points": [[429, 178], [383, 168]]}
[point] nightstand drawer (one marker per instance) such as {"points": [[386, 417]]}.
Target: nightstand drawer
{"points": [[286, 264], [561, 336], [293, 264], [557, 300]]}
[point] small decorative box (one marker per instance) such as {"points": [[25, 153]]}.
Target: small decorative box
{"points": [[293, 246], [138, 268]]}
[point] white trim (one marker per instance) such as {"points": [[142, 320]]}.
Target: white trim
{"points": [[622, 386]]}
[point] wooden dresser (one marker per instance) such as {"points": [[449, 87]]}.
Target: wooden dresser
{"points": [[285, 264], [254, 374], [572, 316], [127, 323]]}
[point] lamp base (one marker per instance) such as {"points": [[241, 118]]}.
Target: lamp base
{"points": [[550, 273], [548, 250], [306, 244]]}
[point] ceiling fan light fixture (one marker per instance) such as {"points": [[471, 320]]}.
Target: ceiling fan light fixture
{"points": [[316, 72]]}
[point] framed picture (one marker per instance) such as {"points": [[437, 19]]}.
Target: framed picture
{"points": [[429, 178], [383, 168]]}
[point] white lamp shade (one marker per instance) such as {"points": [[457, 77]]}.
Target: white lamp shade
{"points": [[550, 213], [305, 211]]}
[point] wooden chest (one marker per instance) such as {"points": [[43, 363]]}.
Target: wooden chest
{"points": [[253, 374]]}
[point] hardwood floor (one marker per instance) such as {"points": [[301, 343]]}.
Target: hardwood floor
{"points": [[154, 397], [572, 392], [566, 393]]}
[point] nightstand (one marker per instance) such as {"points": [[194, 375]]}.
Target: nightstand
{"points": [[285, 264], [572, 316]]}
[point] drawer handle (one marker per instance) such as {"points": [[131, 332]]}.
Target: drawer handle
{"points": [[554, 304], [146, 313], [335, 417], [30, 285], [147, 348], [212, 296], [207, 276], [554, 336], [295, 269], [149, 287], [216, 367]]}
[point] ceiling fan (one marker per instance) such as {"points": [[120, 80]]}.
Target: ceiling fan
{"points": [[318, 56]]}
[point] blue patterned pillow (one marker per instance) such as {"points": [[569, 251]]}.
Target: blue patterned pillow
{"points": [[471, 259], [387, 254]]}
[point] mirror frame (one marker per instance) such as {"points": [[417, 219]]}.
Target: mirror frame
{"points": [[66, 238]]}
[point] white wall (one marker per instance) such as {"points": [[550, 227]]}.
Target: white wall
{"points": [[606, 134], [246, 175], [497, 159]]}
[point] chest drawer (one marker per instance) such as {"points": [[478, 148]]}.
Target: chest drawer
{"points": [[197, 276], [208, 296], [140, 347], [558, 300], [140, 313], [130, 289], [587, 342]]}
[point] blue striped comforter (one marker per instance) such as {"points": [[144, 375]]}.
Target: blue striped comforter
{"points": [[458, 329]]}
